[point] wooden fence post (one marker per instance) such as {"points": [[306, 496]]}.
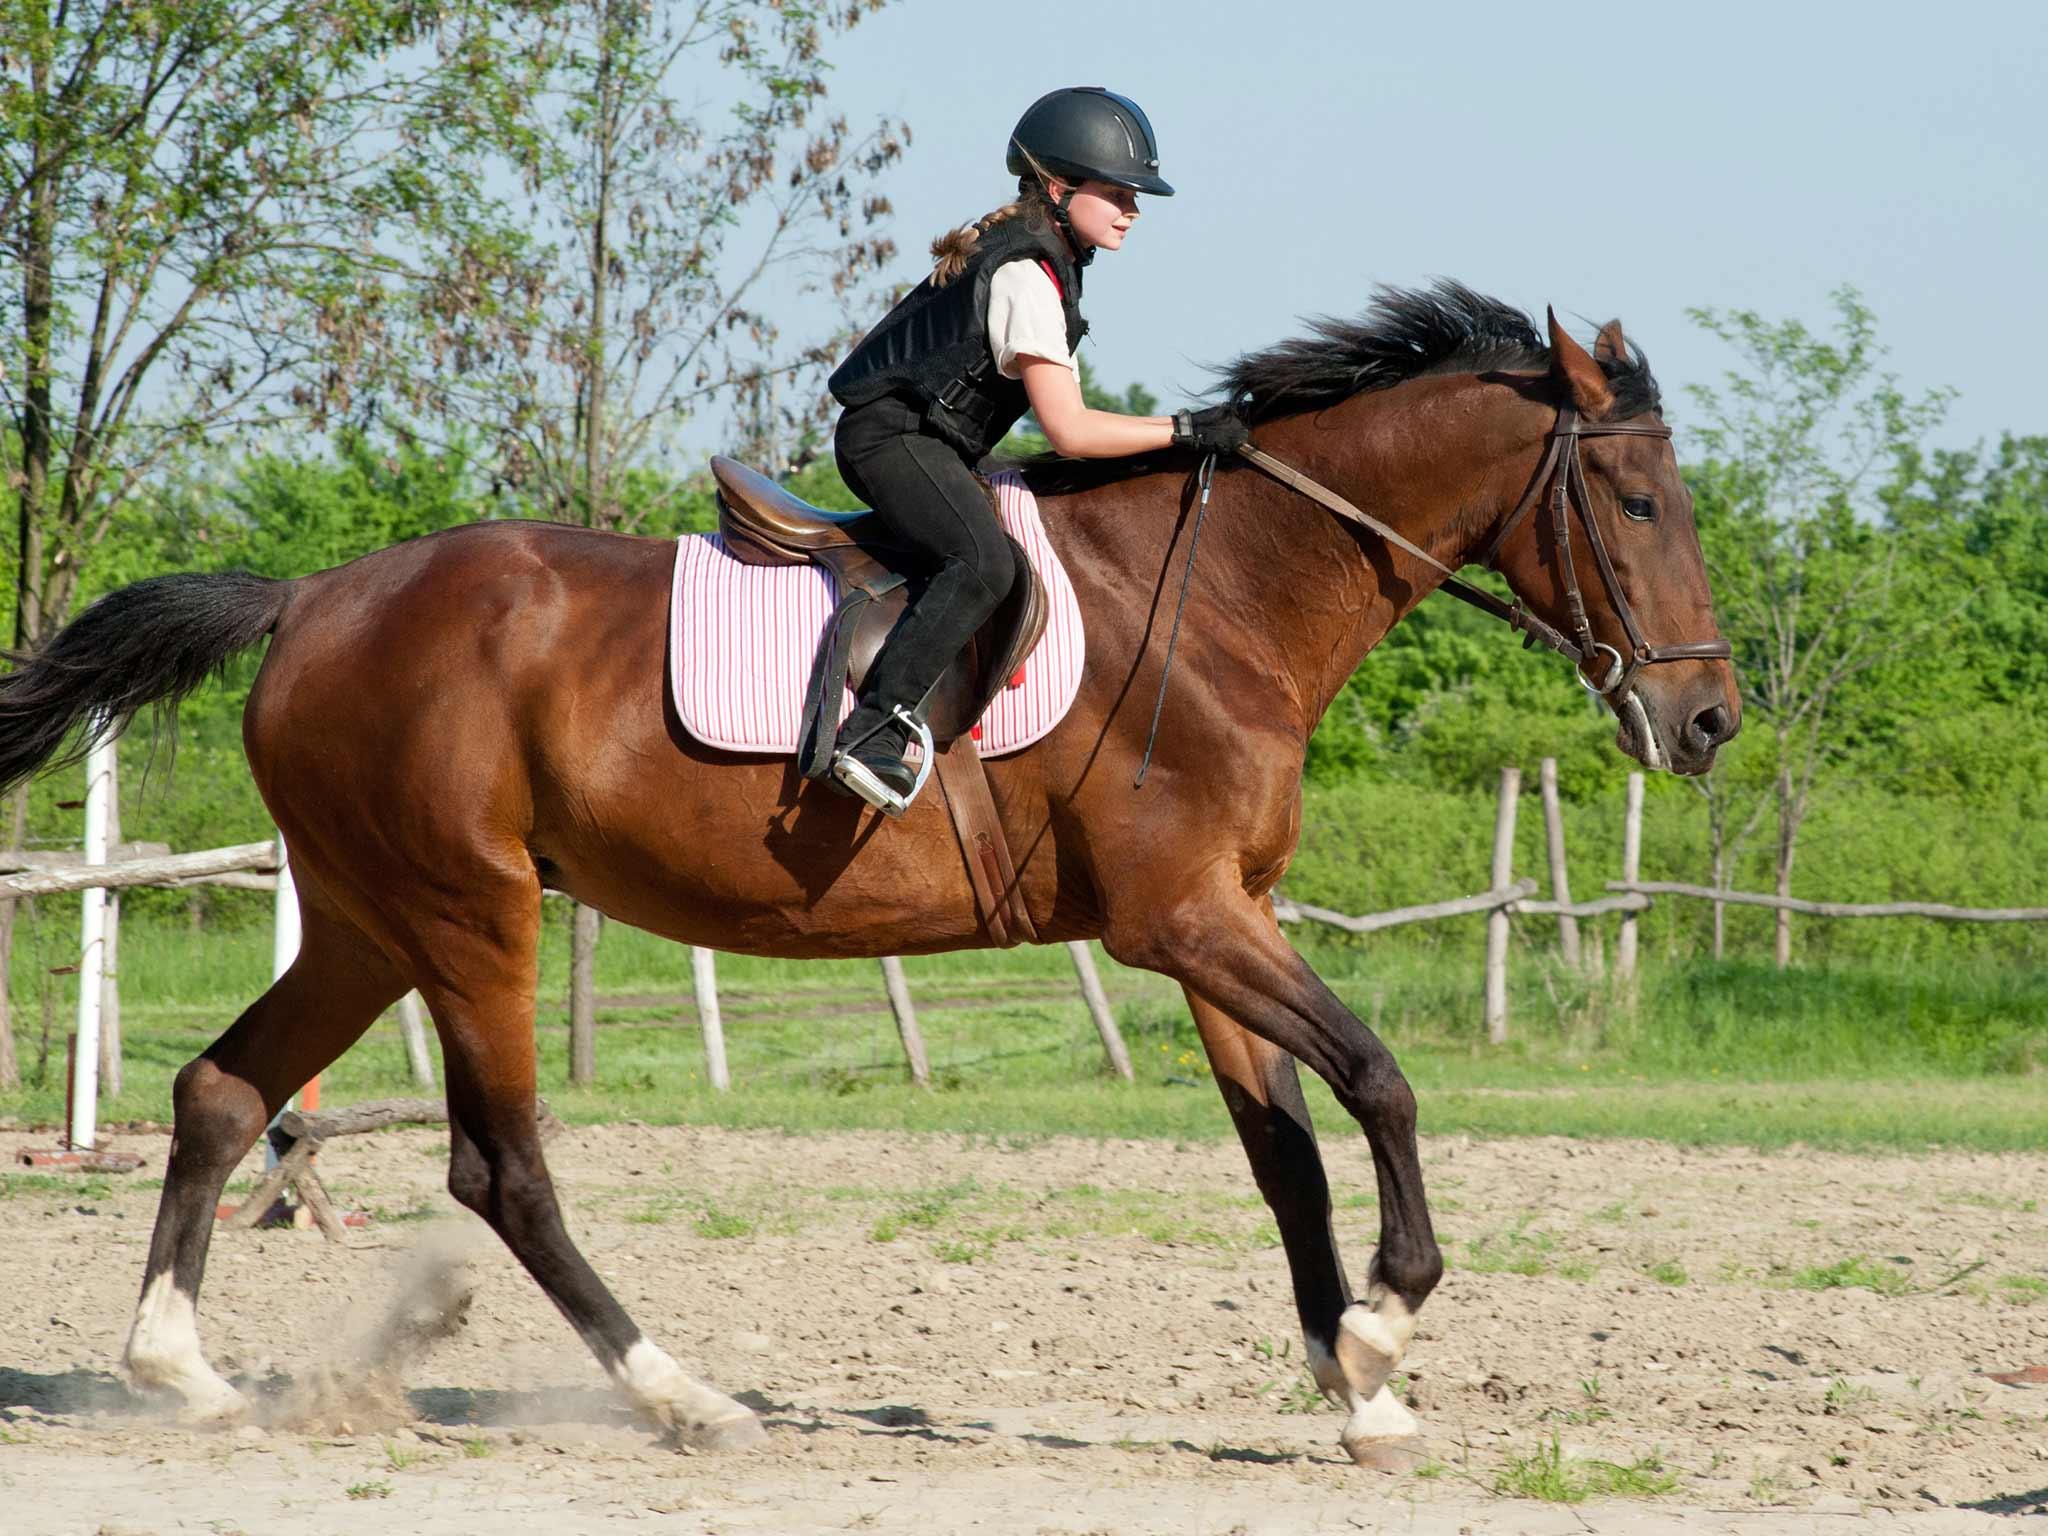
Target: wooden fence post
{"points": [[583, 930], [906, 1020], [1560, 881], [1631, 871], [1497, 919], [704, 979], [1098, 1008], [414, 1028]]}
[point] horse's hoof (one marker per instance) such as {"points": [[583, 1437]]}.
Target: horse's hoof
{"points": [[216, 1410], [741, 1432], [1402, 1454]]}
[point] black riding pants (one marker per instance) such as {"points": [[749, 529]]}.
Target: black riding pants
{"points": [[928, 499]]}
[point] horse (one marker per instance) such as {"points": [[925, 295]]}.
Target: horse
{"points": [[448, 727]]}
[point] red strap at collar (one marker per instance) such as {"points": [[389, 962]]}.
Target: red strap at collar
{"points": [[1058, 287]]}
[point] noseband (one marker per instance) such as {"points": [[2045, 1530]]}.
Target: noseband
{"points": [[1562, 472]]}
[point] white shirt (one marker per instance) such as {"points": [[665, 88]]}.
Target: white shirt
{"points": [[1025, 318]]}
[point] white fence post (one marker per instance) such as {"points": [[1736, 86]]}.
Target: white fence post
{"points": [[1631, 871], [413, 1027], [92, 956], [704, 977], [1497, 920], [284, 949]]}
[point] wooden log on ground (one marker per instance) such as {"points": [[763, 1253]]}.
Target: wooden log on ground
{"points": [[354, 1119], [898, 986], [1934, 909], [1560, 881], [164, 871], [1497, 921], [1098, 1009], [1288, 911]]}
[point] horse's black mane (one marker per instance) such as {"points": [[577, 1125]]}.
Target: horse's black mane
{"points": [[1405, 333]]}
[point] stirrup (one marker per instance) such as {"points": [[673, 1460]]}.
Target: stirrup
{"points": [[853, 773]]}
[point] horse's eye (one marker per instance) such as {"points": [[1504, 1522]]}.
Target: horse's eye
{"points": [[1641, 509]]}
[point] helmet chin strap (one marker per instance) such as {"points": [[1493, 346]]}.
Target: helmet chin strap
{"points": [[1082, 254]]}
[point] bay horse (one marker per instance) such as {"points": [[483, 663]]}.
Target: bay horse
{"points": [[447, 727]]}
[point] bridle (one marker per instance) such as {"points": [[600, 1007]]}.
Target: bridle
{"points": [[1565, 477]]}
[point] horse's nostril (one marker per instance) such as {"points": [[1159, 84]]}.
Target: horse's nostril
{"points": [[1711, 726]]}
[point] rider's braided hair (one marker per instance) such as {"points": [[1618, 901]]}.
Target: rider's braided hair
{"points": [[951, 249]]}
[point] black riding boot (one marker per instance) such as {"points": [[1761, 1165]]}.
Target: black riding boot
{"points": [[879, 744]]}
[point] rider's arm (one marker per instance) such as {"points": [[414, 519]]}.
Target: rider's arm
{"points": [[1077, 432]]}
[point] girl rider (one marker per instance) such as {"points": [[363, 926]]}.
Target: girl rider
{"points": [[940, 381]]}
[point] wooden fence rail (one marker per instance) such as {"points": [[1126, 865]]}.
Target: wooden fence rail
{"points": [[1935, 909], [260, 866]]}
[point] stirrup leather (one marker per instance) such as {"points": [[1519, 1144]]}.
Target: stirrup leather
{"points": [[853, 773]]}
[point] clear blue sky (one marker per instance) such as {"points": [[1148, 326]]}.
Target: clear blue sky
{"points": [[1612, 161]]}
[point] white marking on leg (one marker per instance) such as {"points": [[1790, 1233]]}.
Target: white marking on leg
{"points": [[699, 1415], [1380, 1421], [1372, 1336], [1329, 1375], [163, 1353]]}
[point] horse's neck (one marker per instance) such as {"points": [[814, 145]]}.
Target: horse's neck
{"points": [[1433, 459]]}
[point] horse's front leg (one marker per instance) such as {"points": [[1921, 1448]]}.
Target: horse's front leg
{"points": [[1243, 979]]}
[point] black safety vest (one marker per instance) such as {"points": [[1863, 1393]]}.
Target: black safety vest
{"points": [[933, 348]]}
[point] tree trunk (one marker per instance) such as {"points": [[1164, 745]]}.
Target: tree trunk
{"points": [[1720, 907], [1788, 834], [600, 263], [10, 1059]]}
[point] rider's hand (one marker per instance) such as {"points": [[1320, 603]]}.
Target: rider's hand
{"points": [[1213, 429]]}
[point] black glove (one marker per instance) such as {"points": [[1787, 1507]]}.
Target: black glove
{"points": [[1213, 429]]}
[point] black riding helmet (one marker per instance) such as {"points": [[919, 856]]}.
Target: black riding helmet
{"points": [[1087, 133]]}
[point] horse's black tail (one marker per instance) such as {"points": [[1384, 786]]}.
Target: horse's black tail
{"points": [[150, 643]]}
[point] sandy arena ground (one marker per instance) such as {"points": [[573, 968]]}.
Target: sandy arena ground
{"points": [[1053, 1337]]}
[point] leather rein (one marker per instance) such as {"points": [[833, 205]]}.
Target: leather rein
{"points": [[1564, 475]]}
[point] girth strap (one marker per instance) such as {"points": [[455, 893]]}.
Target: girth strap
{"points": [[986, 852]]}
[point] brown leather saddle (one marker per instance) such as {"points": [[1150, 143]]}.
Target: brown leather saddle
{"points": [[762, 524]]}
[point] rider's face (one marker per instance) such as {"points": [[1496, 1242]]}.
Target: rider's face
{"points": [[1101, 214]]}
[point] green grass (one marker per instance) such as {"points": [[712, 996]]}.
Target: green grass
{"points": [[1548, 1474], [1715, 1054], [1856, 1272], [2024, 1289]]}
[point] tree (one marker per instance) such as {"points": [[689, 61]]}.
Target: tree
{"points": [[665, 223], [199, 201], [1823, 565]]}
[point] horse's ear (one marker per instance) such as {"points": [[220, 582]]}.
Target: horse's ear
{"points": [[1608, 346], [1579, 374]]}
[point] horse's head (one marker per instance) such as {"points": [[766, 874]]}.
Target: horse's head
{"points": [[1603, 547]]}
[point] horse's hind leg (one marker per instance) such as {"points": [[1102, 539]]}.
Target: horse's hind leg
{"points": [[222, 1100], [480, 989]]}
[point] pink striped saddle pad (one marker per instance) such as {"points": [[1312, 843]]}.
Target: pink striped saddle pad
{"points": [[742, 640]]}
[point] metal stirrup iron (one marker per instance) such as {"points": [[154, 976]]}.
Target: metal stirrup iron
{"points": [[853, 773]]}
